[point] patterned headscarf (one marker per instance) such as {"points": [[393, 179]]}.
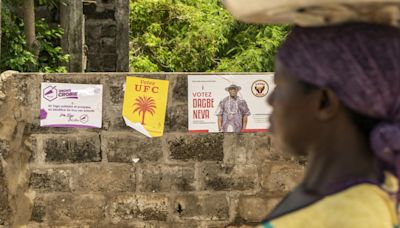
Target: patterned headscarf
{"points": [[361, 64]]}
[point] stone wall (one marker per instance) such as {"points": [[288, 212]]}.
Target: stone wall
{"points": [[54, 177], [107, 35]]}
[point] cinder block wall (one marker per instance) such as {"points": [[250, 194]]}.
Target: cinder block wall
{"points": [[53, 177]]}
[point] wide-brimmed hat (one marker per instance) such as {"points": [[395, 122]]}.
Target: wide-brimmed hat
{"points": [[233, 86], [314, 12]]}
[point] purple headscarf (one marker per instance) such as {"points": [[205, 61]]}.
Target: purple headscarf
{"points": [[361, 63]]}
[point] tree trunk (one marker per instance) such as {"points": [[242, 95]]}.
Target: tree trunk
{"points": [[72, 42], [144, 113], [29, 27]]}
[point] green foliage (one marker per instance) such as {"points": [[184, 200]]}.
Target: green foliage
{"points": [[252, 48], [51, 3], [51, 57], [197, 36], [14, 54]]}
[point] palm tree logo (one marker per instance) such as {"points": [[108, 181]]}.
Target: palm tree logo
{"points": [[143, 105]]}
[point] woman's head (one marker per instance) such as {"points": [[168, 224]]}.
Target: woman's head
{"points": [[306, 118], [353, 67]]}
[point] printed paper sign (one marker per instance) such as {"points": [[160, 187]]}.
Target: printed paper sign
{"points": [[71, 105], [229, 103], [145, 104]]}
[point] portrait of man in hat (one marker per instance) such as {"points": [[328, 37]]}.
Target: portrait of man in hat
{"points": [[232, 111]]}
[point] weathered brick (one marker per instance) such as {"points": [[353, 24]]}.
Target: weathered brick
{"points": [[125, 147], [238, 147], [281, 177], [93, 14], [114, 89], [35, 128], [110, 60], [75, 149], [202, 207], [108, 45], [216, 207], [207, 147], [95, 31], [132, 224], [255, 208], [266, 150], [116, 94], [143, 207], [31, 144], [113, 120], [162, 178], [180, 89], [39, 210], [147, 224], [100, 178], [69, 208], [94, 60], [88, 78], [92, 44], [51, 180], [4, 148], [109, 30], [107, 4], [4, 206], [262, 151], [219, 225], [149, 75], [28, 87], [185, 224], [220, 177], [177, 118], [70, 225]]}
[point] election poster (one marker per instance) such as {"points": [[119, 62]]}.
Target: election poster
{"points": [[71, 105], [145, 105], [229, 103]]}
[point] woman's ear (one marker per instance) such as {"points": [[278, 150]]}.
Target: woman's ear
{"points": [[329, 104]]}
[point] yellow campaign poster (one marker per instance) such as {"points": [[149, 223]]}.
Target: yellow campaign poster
{"points": [[145, 105]]}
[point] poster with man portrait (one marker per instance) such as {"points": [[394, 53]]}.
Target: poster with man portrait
{"points": [[229, 103]]}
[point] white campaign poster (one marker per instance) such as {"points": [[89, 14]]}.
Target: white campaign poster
{"points": [[214, 106], [71, 105]]}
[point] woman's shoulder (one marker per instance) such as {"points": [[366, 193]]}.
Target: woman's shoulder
{"points": [[363, 205], [359, 198]]}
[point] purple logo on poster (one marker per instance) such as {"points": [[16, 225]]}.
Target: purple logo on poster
{"points": [[43, 114], [50, 93]]}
